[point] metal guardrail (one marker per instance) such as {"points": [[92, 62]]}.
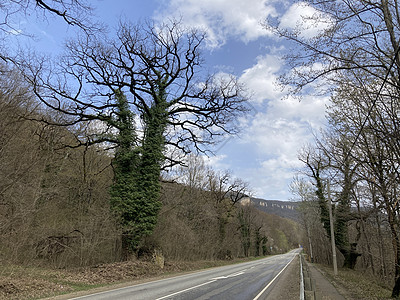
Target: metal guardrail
{"points": [[301, 277], [307, 284]]}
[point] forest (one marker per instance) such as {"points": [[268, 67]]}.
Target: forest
{"points": [[55, 201]]}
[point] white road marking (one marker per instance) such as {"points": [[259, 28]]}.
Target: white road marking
{"points": [[268, 285], [229, 276], [236, 274], [208, 282], [185, 290]]}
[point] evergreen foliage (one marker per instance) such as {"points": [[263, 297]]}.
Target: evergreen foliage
{"points": [[342, 216], [135, 192], [323, 204], [124, 192]]}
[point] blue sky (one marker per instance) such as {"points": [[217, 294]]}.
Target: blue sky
{"points": [[265, 152]]}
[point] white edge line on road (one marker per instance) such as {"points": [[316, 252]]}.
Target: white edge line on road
{"points": [[185, 290], [268, 285]]}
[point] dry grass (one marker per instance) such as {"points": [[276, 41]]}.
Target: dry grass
{"points": [[357, 285]]}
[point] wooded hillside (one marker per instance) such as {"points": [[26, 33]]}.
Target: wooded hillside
{"points": [[55, 200]]}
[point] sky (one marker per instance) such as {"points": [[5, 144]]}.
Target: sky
{"points": [[265, 152]]}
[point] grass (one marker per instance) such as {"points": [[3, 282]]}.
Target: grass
{"points": [[29, 282], [357, 285]]}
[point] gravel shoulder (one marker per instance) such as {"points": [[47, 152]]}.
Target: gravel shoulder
{"points": [[287, 285]]}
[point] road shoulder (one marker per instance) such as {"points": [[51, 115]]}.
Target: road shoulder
{"points": [[287, 285]]}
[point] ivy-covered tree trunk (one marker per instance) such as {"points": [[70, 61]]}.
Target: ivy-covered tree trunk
{"points": [[152, 158], [244, 226], [322, 203], [135, 194], [258, 240], [342, 217], [124, 192], [341, 232]]}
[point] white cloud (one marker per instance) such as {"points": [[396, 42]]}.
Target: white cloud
{"points": [[222, 18], [309, 111], [266, 156], [271, 179], [216, 162], [261, 78], [286, 125], [276, 135], [305, 20]]}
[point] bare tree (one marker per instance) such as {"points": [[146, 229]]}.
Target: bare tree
{"points": [[152, 74], [354, 37], [158, 68], [355, 55], [73, 12], [77, 13]]}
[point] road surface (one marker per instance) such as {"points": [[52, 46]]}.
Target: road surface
{"points": [[250, 280]]}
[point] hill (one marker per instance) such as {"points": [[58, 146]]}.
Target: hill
{"points": [[285, 209]]}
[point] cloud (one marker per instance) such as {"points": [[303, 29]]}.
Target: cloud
{"points": [[305, 20], [271, 179], [281, 124], [222, 19], [276, 135], [286, 124], [261, 78], [310, 111], [216, 162]]}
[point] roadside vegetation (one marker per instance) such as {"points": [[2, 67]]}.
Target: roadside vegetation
{"points": [[354, 162], [356, 284]]}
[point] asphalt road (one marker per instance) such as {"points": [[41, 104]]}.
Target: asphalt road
{"points": [[250, 280]]}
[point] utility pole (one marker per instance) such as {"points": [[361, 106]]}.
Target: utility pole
{"points": [[309, 242], [332, 230]]}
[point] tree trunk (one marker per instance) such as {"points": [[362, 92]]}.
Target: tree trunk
{"points": [[396, 250], [396, 288]]}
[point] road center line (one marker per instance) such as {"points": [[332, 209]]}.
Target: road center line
{"points": [[230, 275], [236, 274], [185, 290], [264, 289]]}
